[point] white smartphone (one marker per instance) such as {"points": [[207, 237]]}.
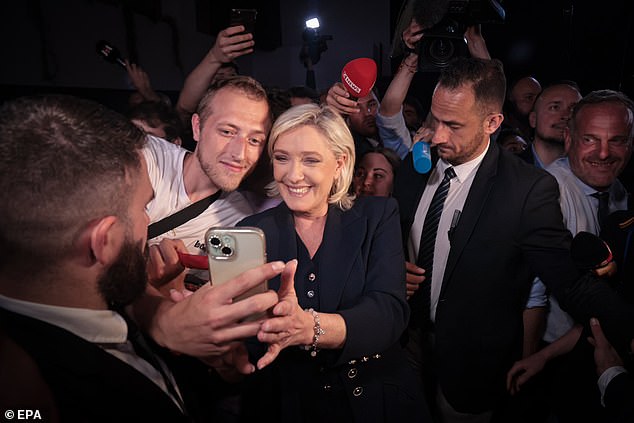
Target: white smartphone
{"points": [[233, 250]]}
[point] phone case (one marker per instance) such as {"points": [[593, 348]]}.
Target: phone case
{"points": [[244, 17], [233, 250]]}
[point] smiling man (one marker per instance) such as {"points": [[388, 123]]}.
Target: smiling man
{"points": [[230, 128], [598, 146]]}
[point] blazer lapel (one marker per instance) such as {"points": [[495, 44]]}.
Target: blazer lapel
{"points": [[474, 204], [339, 252]]}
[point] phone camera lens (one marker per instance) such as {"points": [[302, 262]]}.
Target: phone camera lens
{"points": [[214, 241], [227, 251]]}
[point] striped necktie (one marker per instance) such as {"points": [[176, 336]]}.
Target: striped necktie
{"points": [[420, 309]]}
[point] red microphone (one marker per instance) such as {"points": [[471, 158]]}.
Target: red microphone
{"points": [[193, 261], [359, 76]]}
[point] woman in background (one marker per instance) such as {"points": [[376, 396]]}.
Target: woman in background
{"points": [[374, 173]]}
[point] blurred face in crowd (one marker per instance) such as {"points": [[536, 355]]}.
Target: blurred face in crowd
{"points": [[412, 118], [232, 138], [513, 143], [461, 127], [373, 176], [552, 111], [305, 169], [524, 93], [600, 144], [364, 122]]}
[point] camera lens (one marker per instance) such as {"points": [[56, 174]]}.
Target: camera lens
{"points": [[227, 251], [214, 241], [441, 51]]}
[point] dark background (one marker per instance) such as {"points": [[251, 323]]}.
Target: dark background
{"points": [[589, 42], [50, 45]]}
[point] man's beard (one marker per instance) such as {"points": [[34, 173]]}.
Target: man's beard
{"points": [[556, 141], [224, 182], [126, 279]]}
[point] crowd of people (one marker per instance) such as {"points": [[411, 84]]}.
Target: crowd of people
{"points": [[394, 295]]}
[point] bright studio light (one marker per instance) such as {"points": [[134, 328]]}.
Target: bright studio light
{"points": [[312, 23]]}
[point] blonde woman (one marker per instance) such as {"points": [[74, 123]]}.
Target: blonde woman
{"points": [[341, 357]]}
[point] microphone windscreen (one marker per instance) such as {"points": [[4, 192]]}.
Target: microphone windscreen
{"points": [[421, 155], [588, 251], [359, 76]]}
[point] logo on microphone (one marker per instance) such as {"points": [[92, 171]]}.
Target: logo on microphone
{"points": [[351, 84]]}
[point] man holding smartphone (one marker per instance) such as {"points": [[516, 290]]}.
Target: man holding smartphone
{"points": [[68, 349]]}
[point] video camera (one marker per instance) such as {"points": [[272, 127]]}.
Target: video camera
{"points": [[447, 22]]}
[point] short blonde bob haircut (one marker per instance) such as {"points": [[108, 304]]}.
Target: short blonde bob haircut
{"points": [[336, 134]]}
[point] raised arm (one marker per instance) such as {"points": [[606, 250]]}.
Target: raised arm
{"points": [[398, 88], [230, 44]]}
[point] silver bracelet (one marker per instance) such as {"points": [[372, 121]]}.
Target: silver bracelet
{"points": [[317, 332]]}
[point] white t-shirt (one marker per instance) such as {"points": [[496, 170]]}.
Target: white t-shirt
{"points": [[165, 168]]}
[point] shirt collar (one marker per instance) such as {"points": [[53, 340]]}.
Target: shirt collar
{"points": [[538, 161], [587, 190], [96, 326]]}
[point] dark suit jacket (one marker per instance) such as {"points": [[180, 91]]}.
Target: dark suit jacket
{"points": [[619, 399], [527, 155], [361, 277], [511, 228], [87, 383]]}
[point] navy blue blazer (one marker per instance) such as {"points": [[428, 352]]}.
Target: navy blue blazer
{"points": [[510, 228], [361, 276]]}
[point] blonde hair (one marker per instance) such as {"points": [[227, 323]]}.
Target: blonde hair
{"points": [[338, 137]]}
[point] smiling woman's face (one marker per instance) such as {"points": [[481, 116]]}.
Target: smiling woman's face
{"points": [[305, 169]]}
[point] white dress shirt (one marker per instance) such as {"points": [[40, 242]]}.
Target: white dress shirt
{"points": [[456, 197]]}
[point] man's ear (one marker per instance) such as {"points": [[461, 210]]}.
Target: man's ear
{"points": [[493, 122], [196, 127], [532, 119], [106, 239]]}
